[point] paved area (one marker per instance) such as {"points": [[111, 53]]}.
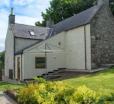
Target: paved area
{"points": [[4, 99], [68, 73], [63, 74]]}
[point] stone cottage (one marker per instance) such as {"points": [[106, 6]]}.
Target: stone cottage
{"points": [[83, 42]]}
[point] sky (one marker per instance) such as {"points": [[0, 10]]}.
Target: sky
{"points": [[26, 11]]}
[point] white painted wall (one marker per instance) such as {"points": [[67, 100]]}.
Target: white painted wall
{"points": [[88, 46], [70, 54], [21, 43], [75, 48], [55, 56], [9, 52]]}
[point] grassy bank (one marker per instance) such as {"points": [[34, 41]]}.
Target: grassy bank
{"points": [[7, 86], [102, 81]]}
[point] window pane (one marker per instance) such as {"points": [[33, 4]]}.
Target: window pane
{"points": [[40, 62]]}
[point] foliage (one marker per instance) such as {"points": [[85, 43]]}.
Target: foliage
{"points": [[56, 93], [81, 95], [69, 91], [109, 99], [85, 96], [40, 79], [62, 9], [8, 86], [112, 6], [2, 58]]}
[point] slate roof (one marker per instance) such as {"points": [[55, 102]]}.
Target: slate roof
{"points": [[75, 21], [23, 31]]}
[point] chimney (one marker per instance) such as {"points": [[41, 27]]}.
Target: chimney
{"points": [[103, 2], [11, 17]]}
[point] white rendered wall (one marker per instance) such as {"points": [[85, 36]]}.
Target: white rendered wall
{"points": [[76, 39], [21, 43], [55, 56], [9, 52]]}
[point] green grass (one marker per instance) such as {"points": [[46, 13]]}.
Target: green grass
{"points": [[101, 81], [8, 86]]}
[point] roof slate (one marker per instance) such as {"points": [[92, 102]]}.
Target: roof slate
{"points": [[23, 31]]}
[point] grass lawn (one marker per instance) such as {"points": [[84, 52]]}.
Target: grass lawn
{"points": [[101, 81], [7, 86]]}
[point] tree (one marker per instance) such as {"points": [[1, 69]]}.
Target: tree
{"points": [[112, 6], [62, 9], [2, 58]]}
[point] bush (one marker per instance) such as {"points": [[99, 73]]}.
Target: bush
{"points": [[40, 79], [109, 99], [56, 93], [84, 95], [81, 95], [39, 93]]}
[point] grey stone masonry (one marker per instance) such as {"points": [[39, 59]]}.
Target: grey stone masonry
{"points": [[102, 37]]}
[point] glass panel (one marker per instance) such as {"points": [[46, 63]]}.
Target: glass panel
{"points": [[40, 62]]}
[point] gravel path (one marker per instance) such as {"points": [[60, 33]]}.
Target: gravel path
{"points": [[4, 99]]}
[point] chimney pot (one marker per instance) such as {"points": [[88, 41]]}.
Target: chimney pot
{"points": [[11, 17]]}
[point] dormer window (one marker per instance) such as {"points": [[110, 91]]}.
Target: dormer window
{"points": [[32, 33]]}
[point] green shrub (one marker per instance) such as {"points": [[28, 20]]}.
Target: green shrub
{"points": [[26, 95], [84, 95], [81, 95], [42, 93], [56, 93], [109, 99], [40, 79]]}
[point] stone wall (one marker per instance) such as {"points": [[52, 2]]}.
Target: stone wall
{"points": [[102, 38]]}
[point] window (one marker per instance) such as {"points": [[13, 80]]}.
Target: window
{"points": [[32, 33], [40, 62]]}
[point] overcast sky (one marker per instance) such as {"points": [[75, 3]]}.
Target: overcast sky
{"points": [[26, 11]]}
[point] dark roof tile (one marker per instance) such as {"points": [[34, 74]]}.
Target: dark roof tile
{"points": [[23, 31]]}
